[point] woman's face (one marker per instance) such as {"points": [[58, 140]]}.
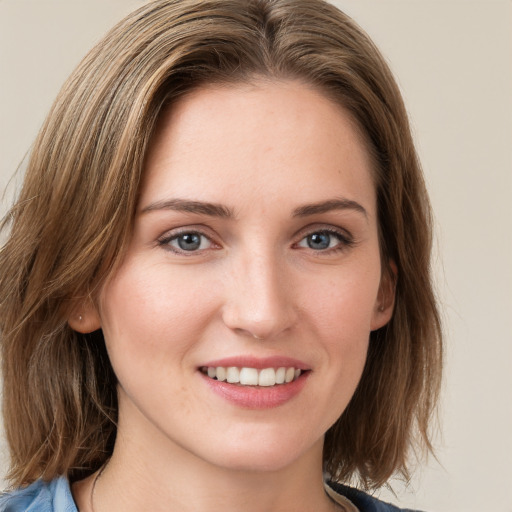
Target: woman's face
{"points": [[255, 247]]}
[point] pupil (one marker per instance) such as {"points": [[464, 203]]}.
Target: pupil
{"points": [[189, 242], [319, 241]]}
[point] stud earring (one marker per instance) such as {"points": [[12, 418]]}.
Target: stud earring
{"points": [[79, 318]]}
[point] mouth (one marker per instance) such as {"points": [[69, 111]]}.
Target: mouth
{"points": [[256, 382], [247, 376]]}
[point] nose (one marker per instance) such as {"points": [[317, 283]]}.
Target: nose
{"points": [[259, 296]]}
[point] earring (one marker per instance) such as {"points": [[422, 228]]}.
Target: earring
{"points": [[79, 318]]}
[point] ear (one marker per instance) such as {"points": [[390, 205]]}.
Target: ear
{"points": [[84, 317], [385, 302]]}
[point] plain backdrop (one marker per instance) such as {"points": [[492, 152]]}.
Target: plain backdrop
{"points": [[453, 61]]}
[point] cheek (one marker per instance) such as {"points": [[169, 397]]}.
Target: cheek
{"points": [[341, 313], [149, 309], [345, 303]]}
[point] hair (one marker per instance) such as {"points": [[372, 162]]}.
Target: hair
{"points": [[74, 217]]}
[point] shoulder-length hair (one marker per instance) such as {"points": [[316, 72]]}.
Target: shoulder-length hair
{"points": [[74, 218]]}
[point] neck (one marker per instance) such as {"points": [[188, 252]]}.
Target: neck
{"points": [[147, 472], [185, 484]]}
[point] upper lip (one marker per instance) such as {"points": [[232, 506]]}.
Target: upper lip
{"points": [[257, 362]]}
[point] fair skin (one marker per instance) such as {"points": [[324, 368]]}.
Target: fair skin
{"points": [[255, 245]]}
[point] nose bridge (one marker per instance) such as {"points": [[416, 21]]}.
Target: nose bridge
{"points": [[259, 301]]}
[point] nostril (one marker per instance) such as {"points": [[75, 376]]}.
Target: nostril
{"points": [[250, 334], [261, 311]]}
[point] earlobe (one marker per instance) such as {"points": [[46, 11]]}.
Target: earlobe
{"points": [[385, 303], [84, 317]]}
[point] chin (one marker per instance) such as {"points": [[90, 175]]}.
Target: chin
{"points": [[261, 454], [257, 463]]}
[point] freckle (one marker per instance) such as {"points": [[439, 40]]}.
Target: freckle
{"points": [[184, 404]]}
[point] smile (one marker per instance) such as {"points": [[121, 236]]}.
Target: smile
{"points": [[265, 377]]}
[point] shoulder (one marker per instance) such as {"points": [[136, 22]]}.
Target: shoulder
{"points": [[364, 502], [40, 496]]}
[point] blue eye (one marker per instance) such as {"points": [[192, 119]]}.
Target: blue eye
{"points": [[319, 241], [188, 242], [323, 240]]}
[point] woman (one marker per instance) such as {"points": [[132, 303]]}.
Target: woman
{"points": [[216, 288]]}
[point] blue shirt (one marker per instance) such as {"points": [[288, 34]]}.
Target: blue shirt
{"points": [[55, 496]]}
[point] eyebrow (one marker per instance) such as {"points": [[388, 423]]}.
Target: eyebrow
{"points": [[184, 205], [219, 210], [327, 206]]}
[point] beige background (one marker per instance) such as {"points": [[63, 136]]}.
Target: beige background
{"points": [[453, 59]]}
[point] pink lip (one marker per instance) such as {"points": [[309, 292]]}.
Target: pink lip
{"points": [[254, 397], [258, 362]]}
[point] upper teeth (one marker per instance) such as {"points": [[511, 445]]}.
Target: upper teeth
{"points": [[252, 376]]}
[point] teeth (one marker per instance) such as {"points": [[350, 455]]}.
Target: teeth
{"points": [[251, 376], [232, 375], [221, 373], [267, 377]]}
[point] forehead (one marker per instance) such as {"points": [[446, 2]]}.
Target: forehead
{"points": [[266, 136]]}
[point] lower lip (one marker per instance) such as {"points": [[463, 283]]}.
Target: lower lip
{"points": [[256, 397]]}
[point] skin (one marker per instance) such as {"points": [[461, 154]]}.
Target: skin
{"points": [[263, 151]]}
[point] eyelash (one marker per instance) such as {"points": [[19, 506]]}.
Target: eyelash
{"points": [[345, 240], [165, 241]]}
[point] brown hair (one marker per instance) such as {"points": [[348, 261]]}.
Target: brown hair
{"points": [[74, 217]]}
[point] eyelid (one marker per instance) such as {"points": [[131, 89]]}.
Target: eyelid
{"points": [[165, 239], [344, 236], [329, 228]]}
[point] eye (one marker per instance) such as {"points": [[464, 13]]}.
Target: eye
{"points": [[190, 241], [324, 240]]}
